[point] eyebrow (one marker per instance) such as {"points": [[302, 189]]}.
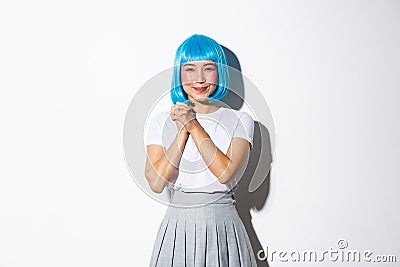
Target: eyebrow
{"points": [[193, 65]]}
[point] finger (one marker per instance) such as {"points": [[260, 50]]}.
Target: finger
{"points": [[182, 105], [179, 113], [173, 112], [182, 110], [187, 106], [183, 117], [173, 115]]}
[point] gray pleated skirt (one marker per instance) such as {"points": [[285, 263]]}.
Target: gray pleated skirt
{"points": [[202, 229]]}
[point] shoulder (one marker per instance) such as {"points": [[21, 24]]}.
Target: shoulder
{"points": [[155, 127], [240, 114], [159, 118], [157, 122]]}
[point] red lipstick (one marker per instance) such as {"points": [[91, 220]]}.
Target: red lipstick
{"points": [[200, 89]]}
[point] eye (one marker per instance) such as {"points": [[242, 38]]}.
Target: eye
{"points": [[189, 69], [209, 69]]}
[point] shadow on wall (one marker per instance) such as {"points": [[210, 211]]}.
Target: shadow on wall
{"points": [[253, 188]]}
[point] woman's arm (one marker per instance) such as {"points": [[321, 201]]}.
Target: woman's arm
{"points": [[224, 167], [161, 164]]}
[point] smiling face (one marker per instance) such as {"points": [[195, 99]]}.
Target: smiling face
{"points": [[199, 79]]}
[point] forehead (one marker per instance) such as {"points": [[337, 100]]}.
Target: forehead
{"points": [[199, 63]]}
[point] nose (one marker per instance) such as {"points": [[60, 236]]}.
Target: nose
{"points": [[200, 78]]}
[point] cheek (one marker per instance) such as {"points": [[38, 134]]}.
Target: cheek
{"points": [[212, 77], [186, 77]]}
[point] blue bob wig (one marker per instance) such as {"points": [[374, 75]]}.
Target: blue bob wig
{"points": [[199, 47]]}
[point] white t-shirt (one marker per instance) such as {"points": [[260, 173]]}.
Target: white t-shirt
{"points": [[221, 125]]}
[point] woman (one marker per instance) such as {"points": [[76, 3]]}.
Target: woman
{"points": [[199, 150]]}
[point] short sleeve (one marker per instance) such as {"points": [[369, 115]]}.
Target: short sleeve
{"points": [[245, 128], [153, 133]]}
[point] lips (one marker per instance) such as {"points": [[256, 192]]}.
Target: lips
{"points": [[200, 89]]}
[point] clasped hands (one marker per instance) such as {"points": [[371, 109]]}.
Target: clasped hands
{"points": [[184, 117]]}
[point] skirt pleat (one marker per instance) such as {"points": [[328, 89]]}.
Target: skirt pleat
{"points": [[180, 244], [201, 236], [222, 245], [211, 244], [190, 234]]}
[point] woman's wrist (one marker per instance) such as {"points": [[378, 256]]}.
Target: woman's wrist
{"points": [[192, 125], [182, 137], [183, 133]]}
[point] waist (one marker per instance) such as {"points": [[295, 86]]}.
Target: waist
{"points": [[190, 199]]}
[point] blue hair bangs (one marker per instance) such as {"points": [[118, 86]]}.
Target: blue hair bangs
{"points": [[196, 48]]}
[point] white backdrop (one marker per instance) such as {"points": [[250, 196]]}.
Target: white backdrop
{"points": [[69, 69]]}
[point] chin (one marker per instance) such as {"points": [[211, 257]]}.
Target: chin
{"points": [[200, 99]]}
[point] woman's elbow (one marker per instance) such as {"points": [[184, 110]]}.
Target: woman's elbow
{"points": [[230, 173], [154, 183], [156, 188], [225, 177]]}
